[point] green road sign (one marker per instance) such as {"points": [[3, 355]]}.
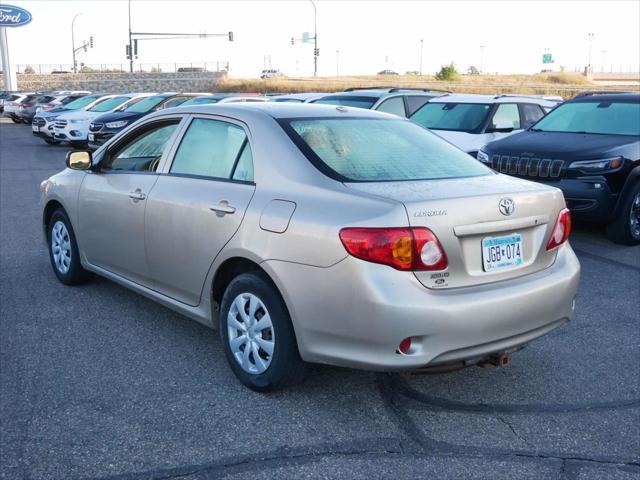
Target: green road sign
{"points": [[305, 37], [547, 58]]}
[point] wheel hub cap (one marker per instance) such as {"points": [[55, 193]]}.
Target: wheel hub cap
{"points": [[251, 334], [634, 217], [61, 247]]}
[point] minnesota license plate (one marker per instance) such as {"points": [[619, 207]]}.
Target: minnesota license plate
{"points": [[502, 253], [91, 137]]}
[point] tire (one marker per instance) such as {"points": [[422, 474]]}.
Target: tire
{"points": [[65, 261], [283, 367], [625, 229], [51, 141], [16, 120]]}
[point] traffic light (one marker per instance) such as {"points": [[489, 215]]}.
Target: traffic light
{"points": [[231, 36], [91, 42], [293, 41], [128, 51], [135, 47], [316, 52]]}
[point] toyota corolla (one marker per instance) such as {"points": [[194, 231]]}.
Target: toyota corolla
{"points": [[322, 234]]}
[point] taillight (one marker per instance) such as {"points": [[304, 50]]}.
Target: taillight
{"points": [[401, 248], [561, 230]]}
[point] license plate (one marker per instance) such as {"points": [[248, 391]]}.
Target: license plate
{"points": [[35, 128], [91, 137], [502, 253]]}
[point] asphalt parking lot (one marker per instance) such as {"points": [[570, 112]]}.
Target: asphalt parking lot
{"points": [[99, 382]]}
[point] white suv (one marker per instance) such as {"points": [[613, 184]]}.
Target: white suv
{"points": [[73, 127], [471, 121]]}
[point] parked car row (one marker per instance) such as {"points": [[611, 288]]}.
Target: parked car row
{"points": [[511, 133]]}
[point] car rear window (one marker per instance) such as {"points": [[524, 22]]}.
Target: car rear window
{"points": [[347, 101], [379, 150], [613, 118]]}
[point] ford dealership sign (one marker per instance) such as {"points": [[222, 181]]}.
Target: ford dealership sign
{"points": [[11, 16]]}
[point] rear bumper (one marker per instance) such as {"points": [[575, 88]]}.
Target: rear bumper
{"points": [[364, 310]]}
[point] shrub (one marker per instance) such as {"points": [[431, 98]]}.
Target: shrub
{"points": [[448, 73], [29, 69]]}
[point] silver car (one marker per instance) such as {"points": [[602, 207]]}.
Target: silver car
{"points": [[309, 233]]}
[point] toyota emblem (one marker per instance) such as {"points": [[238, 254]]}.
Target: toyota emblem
{"points": [[507, 206]]}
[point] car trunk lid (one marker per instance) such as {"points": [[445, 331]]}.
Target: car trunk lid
{"points": [[463, 212]]}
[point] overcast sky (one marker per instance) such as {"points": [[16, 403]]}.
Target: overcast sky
{"points": [[370, 35]]}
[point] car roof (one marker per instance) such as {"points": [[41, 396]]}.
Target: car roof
{"points": [[300, 96], [626, 97], [278, 110], [490, 99], [383, 92]]}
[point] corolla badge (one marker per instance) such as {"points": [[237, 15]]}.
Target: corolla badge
{"points": [[11, 16], [507, 206]]}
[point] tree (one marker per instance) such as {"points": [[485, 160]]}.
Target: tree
{"points": [[472, 71], [29, 69], [448, 73]]}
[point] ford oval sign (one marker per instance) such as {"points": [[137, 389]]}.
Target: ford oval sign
{"points": [[11, 16]]}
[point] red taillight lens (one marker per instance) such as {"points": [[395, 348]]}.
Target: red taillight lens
{"points": [[561, 230], [400, 248]]}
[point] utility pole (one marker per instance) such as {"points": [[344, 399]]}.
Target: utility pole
{"points": [[73, 42], [482, 59], [337, 63], [421, 45], [130, 43], [590, 36], [315, 39]]}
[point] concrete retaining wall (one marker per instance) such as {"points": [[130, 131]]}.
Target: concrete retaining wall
{"points": [[122, 82]]}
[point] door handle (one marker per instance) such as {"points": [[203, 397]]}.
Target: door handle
{"points": [[137, 195], [222, 208]]}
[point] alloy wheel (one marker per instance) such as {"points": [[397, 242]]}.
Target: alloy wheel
{"points": [[634, 217], [61, 247], [250, 333]]}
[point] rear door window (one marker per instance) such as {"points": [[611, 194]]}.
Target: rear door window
{"points": [[414, 102], [506, 116], [394, 105], [530, 114], [213, 149]]}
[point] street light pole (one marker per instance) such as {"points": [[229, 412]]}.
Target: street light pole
{"points": [[315, 39], [421, 45], [73, 42], [590, 36]]}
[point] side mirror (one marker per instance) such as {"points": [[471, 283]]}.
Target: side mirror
{"points": [[79, 160], [502, 127]]}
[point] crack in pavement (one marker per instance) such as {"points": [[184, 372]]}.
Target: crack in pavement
{"points": [[428, 402], [407, 426], [513, 430]]}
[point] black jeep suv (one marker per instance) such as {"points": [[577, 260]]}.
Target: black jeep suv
{"points": [[589, 147]]}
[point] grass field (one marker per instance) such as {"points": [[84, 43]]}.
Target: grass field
{"points": [[566, 84]]}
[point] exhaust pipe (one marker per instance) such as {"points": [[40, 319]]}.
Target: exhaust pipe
{"points": [[500, 360]]}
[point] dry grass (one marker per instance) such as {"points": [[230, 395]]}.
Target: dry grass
{"points": [[566, 84]]}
